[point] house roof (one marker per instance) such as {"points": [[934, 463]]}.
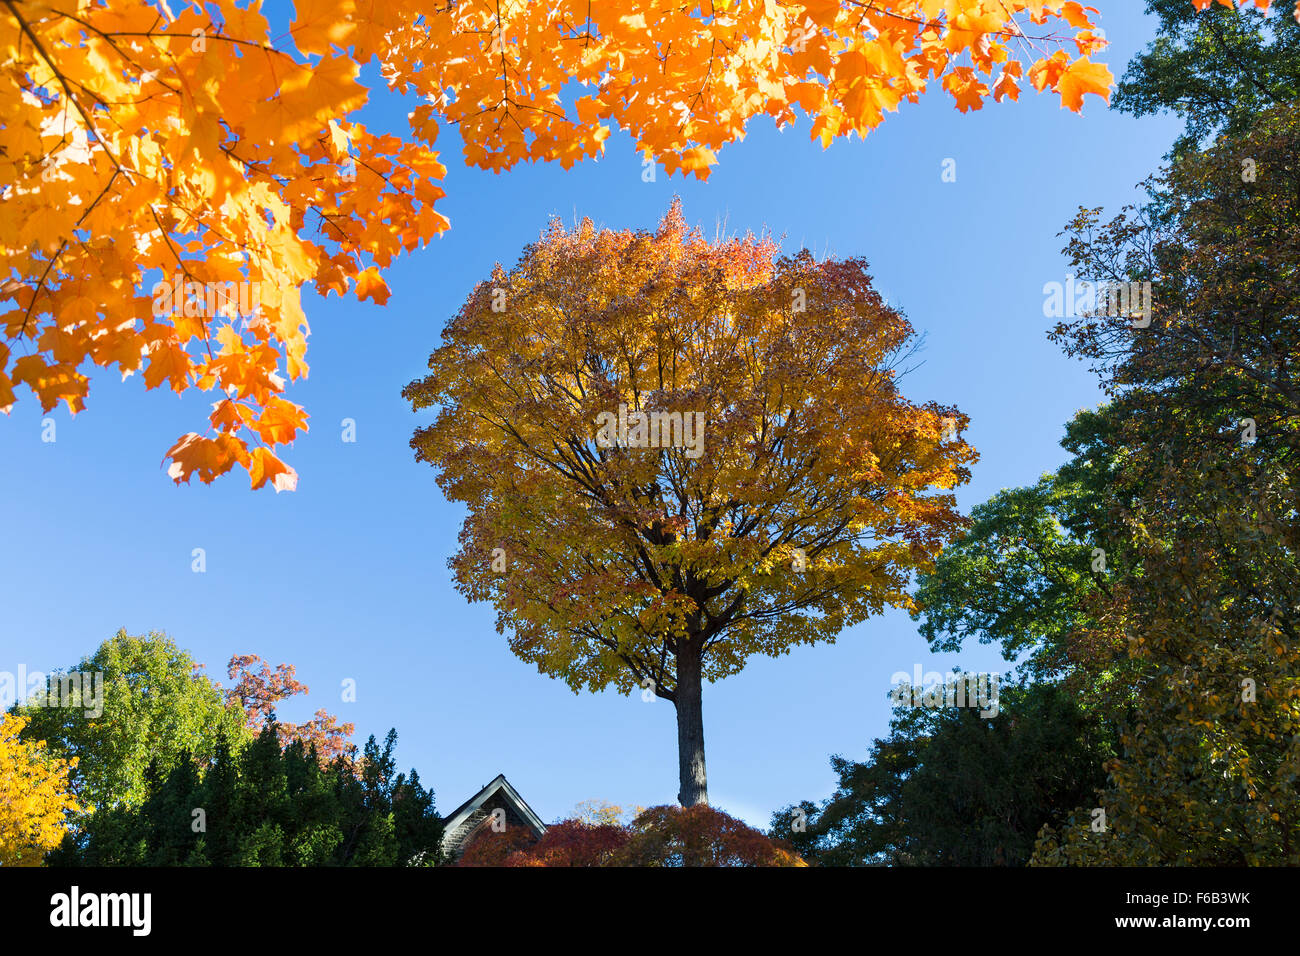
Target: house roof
{"points": [[499, 785]]}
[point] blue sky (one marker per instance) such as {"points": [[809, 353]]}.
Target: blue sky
{"points": [[347, 578]]}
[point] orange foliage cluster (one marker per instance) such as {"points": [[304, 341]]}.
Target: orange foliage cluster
{"points": [[200, 149], [196, 148], [258, 689]]}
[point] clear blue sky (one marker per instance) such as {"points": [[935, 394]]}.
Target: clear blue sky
{"points": [[347, 577]]}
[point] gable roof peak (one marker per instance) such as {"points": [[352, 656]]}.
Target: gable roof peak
{"points": [[461, 822]]}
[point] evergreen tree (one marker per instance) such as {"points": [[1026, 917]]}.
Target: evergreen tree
{"points": [[267, 806]]}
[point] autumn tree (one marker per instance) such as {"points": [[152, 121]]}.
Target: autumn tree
{"points": [[699, 836], [35, 801], [678, 453], [172, 181], [256, 691], [659, 836], [589, 838]]}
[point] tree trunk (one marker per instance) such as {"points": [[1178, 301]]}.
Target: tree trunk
{"points": [[690, 728]]}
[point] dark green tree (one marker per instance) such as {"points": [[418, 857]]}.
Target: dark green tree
{"points": [[267, 806], [949, 788], [1216, 68], [1033, 560], [1207, 401]]}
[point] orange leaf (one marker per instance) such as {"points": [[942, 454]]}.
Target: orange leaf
{"points": [[1083, 76], [280, 421], [264, 466], [371, 285]]}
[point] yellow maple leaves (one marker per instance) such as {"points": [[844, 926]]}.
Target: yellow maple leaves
{"points": [[201, 148], [807, 491], [172, 182], [34, 798]]}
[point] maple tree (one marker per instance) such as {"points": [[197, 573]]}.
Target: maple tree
{"points": [[258, 689], [699, 836], [35, 801], [173, 181], [810, 490]]}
